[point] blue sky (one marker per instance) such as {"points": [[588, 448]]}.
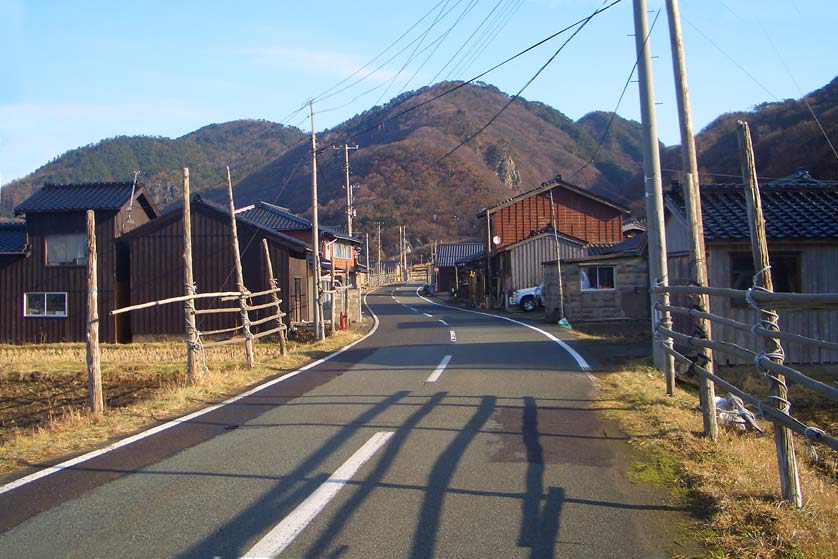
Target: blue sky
{"points": [[73, 73]]}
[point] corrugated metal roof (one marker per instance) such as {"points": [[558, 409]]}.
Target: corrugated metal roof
{"points": [[78, 197], [12, 237], [448, 255], [796, 207]]}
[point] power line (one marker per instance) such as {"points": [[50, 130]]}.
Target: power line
{"points": [[532, 79]]}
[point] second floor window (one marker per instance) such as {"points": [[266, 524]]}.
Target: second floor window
{"points": [[66, 250]]}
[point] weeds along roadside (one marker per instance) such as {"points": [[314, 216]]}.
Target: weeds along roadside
{"points": [[731, 487], [43, 391]]}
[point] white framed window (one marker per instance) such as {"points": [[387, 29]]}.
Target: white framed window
{"points": [[342, 251], [45, 304], [66, 250], [597, 277]]}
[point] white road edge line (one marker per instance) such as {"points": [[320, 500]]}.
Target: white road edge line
{"points": [[453, 335], [439, 368], [275, 541], [573, 353], [411, 308], [185, 419]]}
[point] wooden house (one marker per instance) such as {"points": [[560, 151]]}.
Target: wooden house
{"points": [[156, 268], [43, 280], [521, 235], [801, 216], [609, 283]]}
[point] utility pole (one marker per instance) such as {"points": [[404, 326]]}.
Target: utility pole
{"points": [[367, 247], [349, 187], [401, 252], [379, 252], [692, 200], [553, 221], [654, 190], [315, 238]]}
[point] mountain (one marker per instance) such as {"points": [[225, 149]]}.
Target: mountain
{"points": [[408, 175], [784, 134], [242, 144]]}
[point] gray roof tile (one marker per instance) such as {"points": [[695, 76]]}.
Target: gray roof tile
{"points": [[12, 237], [78, 197]]}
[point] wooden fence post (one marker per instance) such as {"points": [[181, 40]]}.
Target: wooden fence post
{"points": [[698, 276], [248, 340], [275, 296], [193, 371], [783, 441], [94, 367]]}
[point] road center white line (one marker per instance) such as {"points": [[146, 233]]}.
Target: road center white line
{"points": [[443, 322], [428, 315], [453, 336], [411, 308], [275, 541], [438, 371]]}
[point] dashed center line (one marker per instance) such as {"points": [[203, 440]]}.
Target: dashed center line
{"points": [[453, 336], [275, 541], [443, 322], [428, 315], [438, 371], [411, 308]]}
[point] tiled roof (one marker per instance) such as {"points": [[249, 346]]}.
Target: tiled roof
{"points": [[448, 255], [12, 237], [796, 207], [630, 247], [282, 219], [78, 197]]}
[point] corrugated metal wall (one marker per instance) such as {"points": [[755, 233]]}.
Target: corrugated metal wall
{"points": [[527, 256]]}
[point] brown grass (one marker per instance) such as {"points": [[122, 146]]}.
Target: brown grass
{"points": [[732, 486], [43, 390]]}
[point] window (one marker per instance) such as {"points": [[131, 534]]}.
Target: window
{"points": [[597, 277], [66, 250], [785, 272], [45, 304], [342, 251]]}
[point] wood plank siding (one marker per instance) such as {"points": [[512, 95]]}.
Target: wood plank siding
{"points": [[29, 273], [156, 272]]}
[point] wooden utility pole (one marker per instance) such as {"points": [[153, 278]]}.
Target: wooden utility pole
{"points": [[558, 255], [692, 200], [315, 237], [367, 250], [487, 281], [193, 370], [783, 441], [248, 339], [332, 289], [94, 367], [654, 190], [349, 197], [379, 253], [274, 284]]}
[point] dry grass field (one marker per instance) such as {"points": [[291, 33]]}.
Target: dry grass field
{"points": [[43, 390], [732, 487]]}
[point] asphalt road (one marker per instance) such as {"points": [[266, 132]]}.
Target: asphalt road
{"points": [[444, 434]]}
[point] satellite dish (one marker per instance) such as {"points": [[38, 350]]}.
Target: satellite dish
{"points": [[496, 239]]}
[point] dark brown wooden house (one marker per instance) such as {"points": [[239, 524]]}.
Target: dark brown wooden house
{"points": [[43, 261], [156, 270]]}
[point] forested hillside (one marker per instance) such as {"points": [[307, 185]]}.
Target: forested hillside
{"points": [[242, 144]]}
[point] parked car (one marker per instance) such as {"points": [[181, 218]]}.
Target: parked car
{"points": [[528, 298]]}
